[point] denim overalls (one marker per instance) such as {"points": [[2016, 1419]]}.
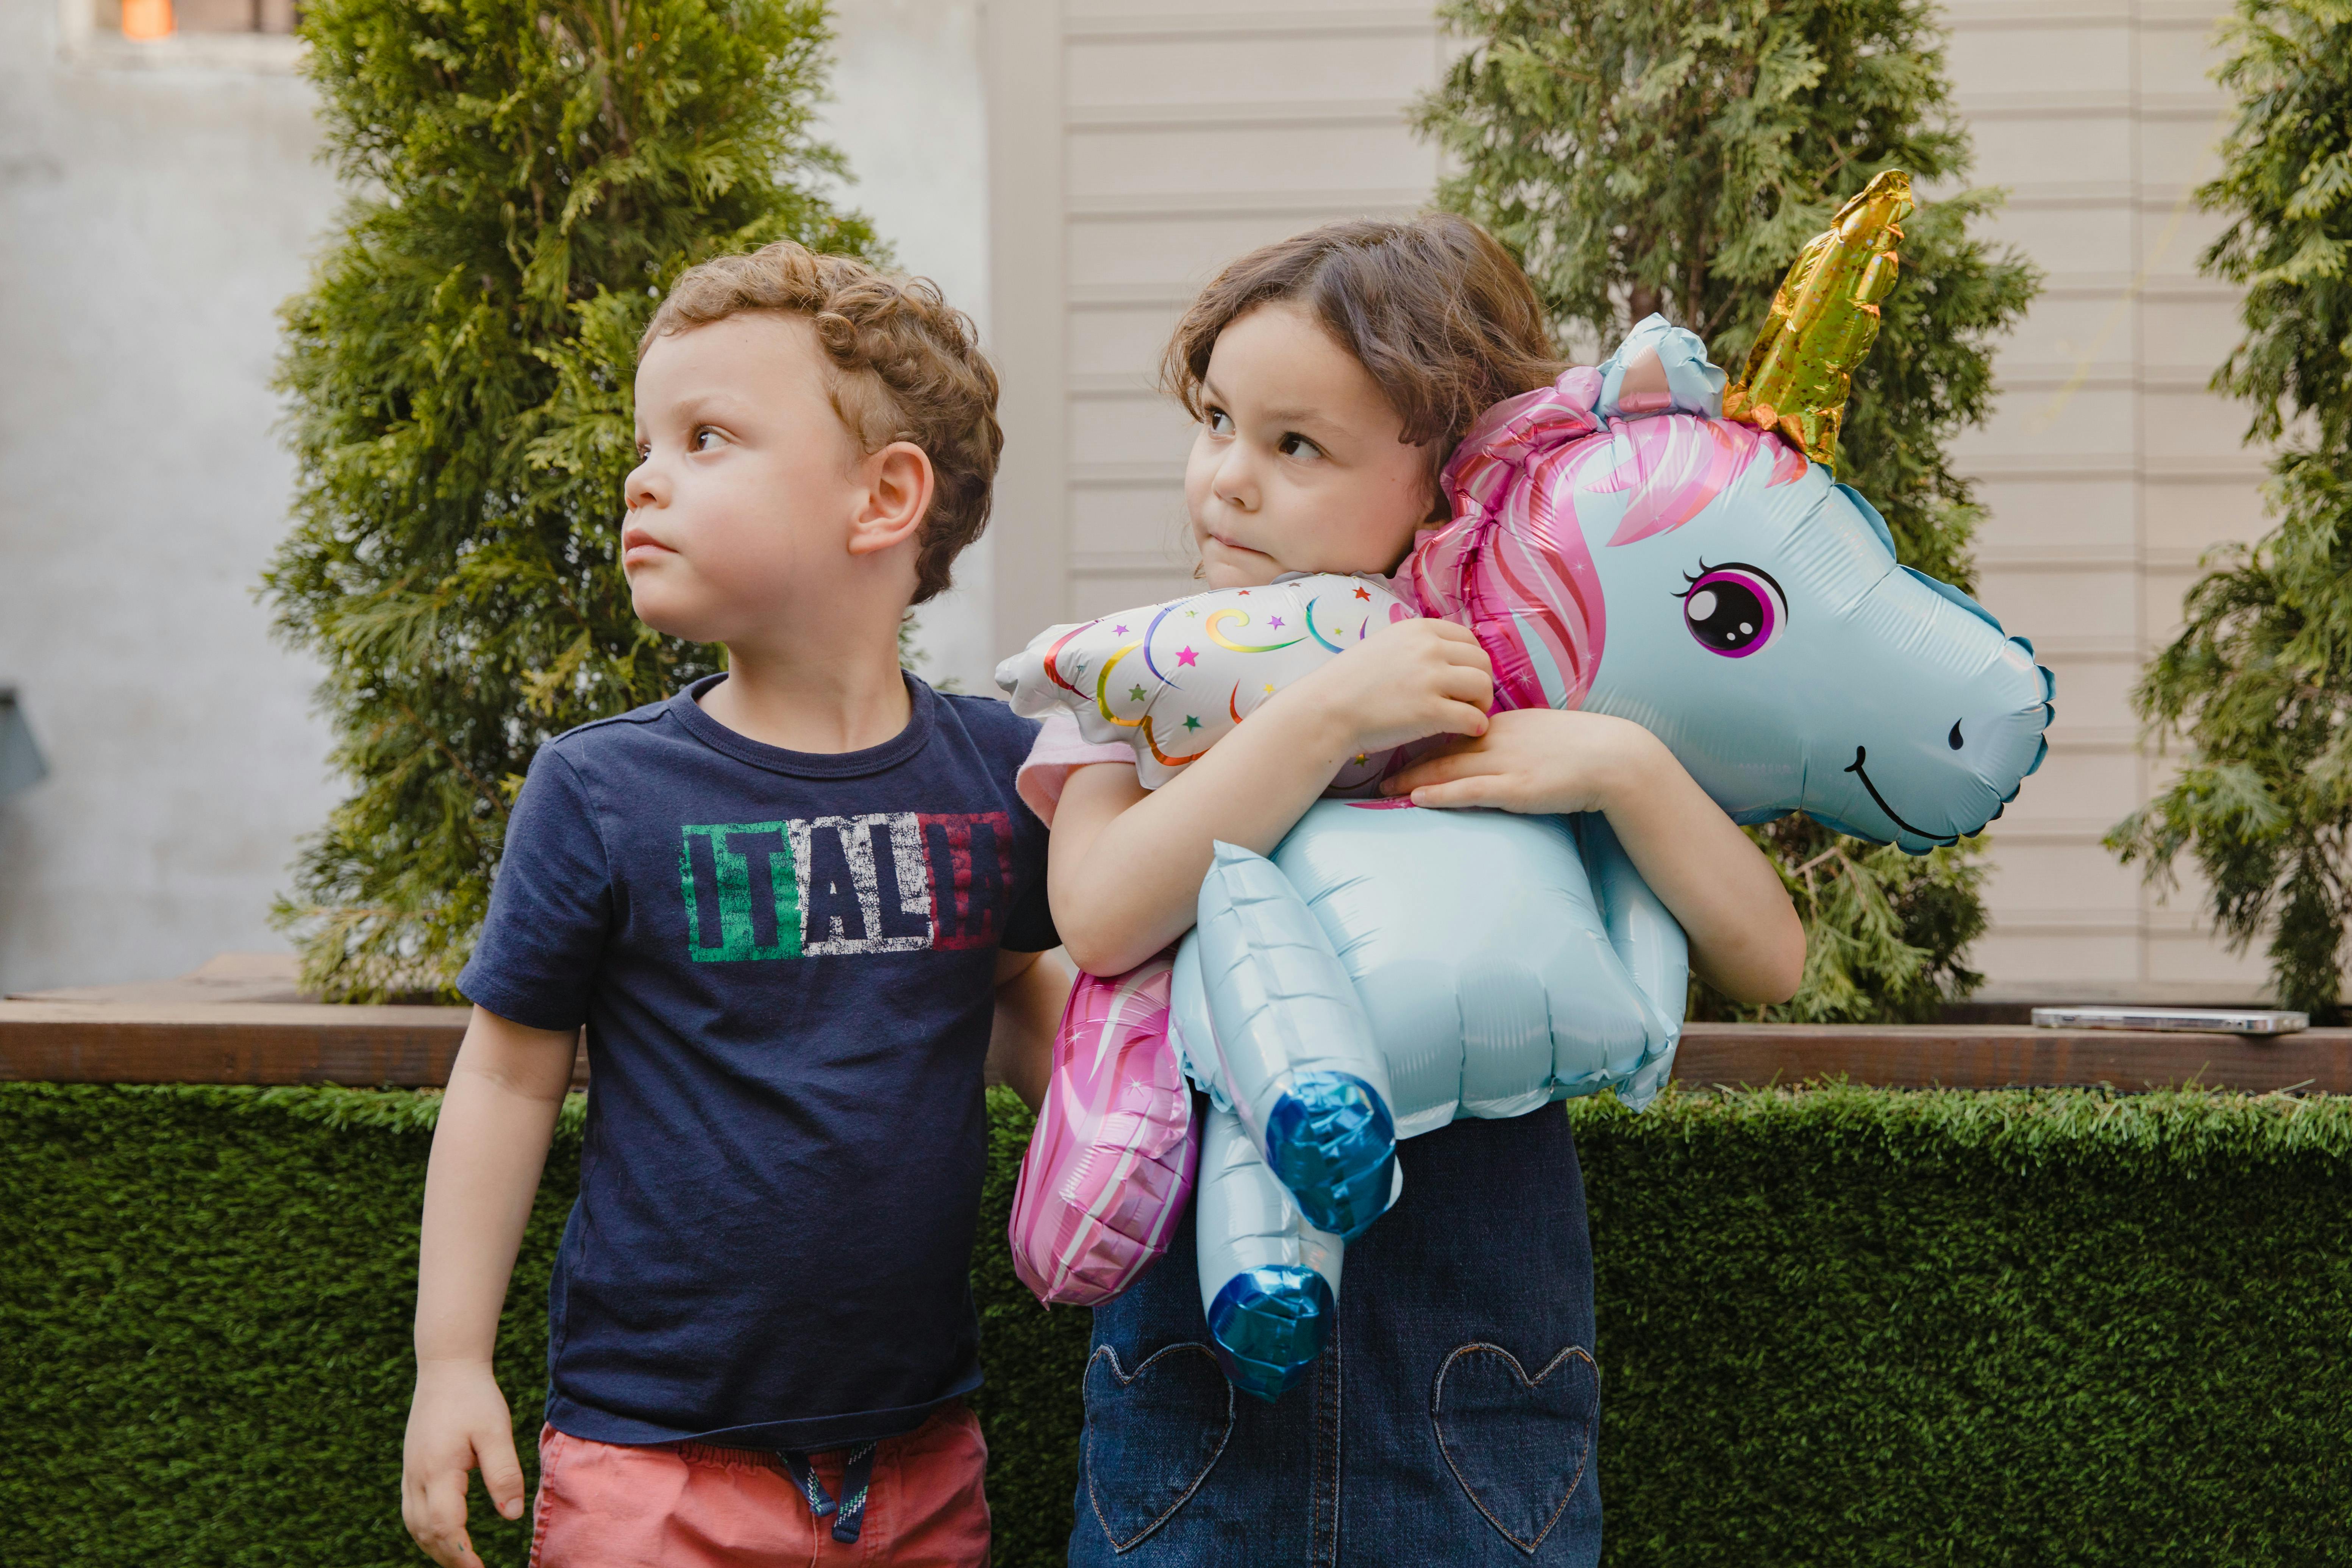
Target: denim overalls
{"points": [[1452, 1421]]}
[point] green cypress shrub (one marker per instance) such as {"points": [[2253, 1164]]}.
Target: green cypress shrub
{"points": [[1675, 156], [526, 180], [2258, 680]]}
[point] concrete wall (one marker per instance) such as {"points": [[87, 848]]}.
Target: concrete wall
{"points": [[155, 208], [150, 221]]}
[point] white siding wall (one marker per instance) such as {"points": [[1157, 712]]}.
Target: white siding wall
{"points": [[1138, 146]]}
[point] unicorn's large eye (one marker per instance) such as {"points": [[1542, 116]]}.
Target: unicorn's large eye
{"points": [[1732, 609]]}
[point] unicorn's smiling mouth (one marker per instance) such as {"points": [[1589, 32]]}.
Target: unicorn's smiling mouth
{"points": [[1856, 769]]}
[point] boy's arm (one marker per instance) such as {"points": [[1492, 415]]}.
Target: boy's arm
{"points": [[505, 1090], [1031, 989]]}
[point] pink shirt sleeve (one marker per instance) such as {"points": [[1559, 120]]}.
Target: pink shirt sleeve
{"points": [[1059, 749]]}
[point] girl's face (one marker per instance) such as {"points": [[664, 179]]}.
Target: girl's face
{"points": [[1299, 465]]}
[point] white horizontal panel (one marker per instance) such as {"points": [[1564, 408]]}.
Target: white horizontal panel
{"points": [[2058, 514], [1181, 254], [1139, 520], [2079, 785], [2039, 604], [2051, 877], [2060, 425], [2172, 241], [2189, 332], [1121, 342], [1102, 162], [2185, 521], [2192, 424], [2018, 152], [2201, 958], [2063, 331], [2007, 958], [2084, 57], [2176, 60], [1092, 19], [2180, 152], [1092, 595], [2027, 17], [1128, 430], [1128, 72], [2066, 239]]}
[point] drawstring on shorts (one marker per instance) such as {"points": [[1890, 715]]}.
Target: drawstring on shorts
{"points": [[848, 1515]]}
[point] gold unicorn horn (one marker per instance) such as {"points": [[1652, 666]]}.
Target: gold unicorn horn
{"points": [[1824, 318]]}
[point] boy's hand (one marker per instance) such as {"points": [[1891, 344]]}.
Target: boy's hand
{"points": [[1419, 678], [1536, 760], [458, 1420]]}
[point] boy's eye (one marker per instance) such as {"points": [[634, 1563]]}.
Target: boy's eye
{"points": [[704, 437], [1294, 445], [1219, 422]]}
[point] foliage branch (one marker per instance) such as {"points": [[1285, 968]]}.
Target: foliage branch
{"points": [[527, 179], [2258, 680]]}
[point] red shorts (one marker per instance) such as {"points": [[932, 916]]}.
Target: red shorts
{"points": [[687, 1505]]}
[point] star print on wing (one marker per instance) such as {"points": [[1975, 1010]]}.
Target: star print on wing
{"points": [[1191, 722], [1363, 593], [1186, 656], [1135, 693], [1273, 621]]}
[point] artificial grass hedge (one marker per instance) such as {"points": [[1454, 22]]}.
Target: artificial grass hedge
{"points": [[1837, 1326]]}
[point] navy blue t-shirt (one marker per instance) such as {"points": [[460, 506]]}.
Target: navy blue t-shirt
{"points": [[786, 965]]}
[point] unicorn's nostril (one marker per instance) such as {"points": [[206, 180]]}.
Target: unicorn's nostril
{"points": [[1953, 739]]}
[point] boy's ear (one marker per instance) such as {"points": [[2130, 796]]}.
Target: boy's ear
{"points": [[898, 488]]}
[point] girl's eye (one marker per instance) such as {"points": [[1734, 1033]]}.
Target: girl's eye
{"points": [[1734, 609], [1219, 422], [1294, 445], [704, 435]]}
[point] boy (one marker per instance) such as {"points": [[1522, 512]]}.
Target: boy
{"points": [[787, 904]]}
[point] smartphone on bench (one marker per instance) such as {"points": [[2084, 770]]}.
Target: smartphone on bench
{"points": [[2192, 1020]]}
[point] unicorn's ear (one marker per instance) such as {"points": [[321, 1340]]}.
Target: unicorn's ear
{"points": [[1659, 369]]}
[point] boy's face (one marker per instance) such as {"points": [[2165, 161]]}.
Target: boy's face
{"points": [[744, 502]]}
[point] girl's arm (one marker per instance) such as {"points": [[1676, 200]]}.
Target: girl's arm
{"points": [[1745, 938], [505, 1090], [1126, 864]]}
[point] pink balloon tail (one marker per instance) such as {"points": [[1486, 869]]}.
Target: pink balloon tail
{"points": [[1111, 1161]]}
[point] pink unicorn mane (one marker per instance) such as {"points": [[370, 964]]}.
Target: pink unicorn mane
{"points": [[1513, 566]]}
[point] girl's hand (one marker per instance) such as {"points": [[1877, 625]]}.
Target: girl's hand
{"points": [[1420, 678], [1535, 761], [1745, 938]]}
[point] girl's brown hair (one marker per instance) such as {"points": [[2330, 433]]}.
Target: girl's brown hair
{"points": [[1439, 314]]}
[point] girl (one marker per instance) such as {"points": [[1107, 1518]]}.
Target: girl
{"points": [[1452, 1418]]}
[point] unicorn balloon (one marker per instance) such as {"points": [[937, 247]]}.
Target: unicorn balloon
{"points": [[1617, 545]]}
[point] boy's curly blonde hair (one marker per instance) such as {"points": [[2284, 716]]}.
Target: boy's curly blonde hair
{"points": [[906, 367]]}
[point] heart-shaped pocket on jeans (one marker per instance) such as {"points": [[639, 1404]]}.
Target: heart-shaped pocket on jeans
{"points": [[1517, 1444], [1152, 1436]]}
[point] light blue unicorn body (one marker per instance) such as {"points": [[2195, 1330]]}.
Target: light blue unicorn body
{"points": [[1386, 970]]}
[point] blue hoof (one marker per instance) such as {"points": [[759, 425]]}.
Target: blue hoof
{"points": [[1331, 1142], [1268, 1325]]}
